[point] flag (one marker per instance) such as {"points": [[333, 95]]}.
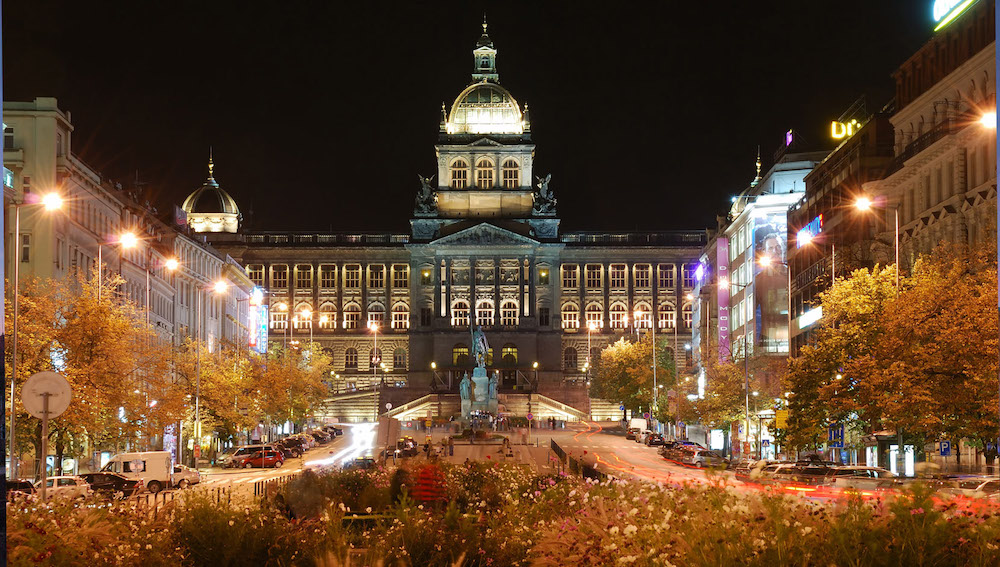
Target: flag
{"points": [[180, 216]]}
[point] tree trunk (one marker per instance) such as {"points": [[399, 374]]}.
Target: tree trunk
{"points": [[60, 446], [958, 455], [39, 458]]}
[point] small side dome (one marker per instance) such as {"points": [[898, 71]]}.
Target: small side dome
{"points": [[210, 209]]}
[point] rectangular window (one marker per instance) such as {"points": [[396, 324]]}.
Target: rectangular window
{"points": [[570, 275], [619, 278], [400, 319], [25, 247], [689, 271], [426, 277], [376, 277], [642, 275], [279, 320], [594, 276], [543, 317], [279, 276], [543, 276], [328, 276], [8, 138], [570, 319], [303, 276], [351, 318], [400, 276], [352, 276], [426, 316], [256, 274], [665, 275]]}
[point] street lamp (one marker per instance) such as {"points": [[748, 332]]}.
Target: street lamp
{"points": [[591, 327], [49, 202], [724, 283], [306, 314], [373, 327], [864, 204]]}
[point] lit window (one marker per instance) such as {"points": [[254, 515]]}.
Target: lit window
{"points": [[352, 316], [642, 275], [303, 276], [327, 317], [570, 275], [279, 276], [376, 277], [570, 316], [484, 174], [667, 316], [689, 278], [460, 355], [642, 316], [376, 314], [688, 316], [508, 314], [425, 276], [351, 358], [279, 320], [400, 316], [374, 357], [511, 174], [543, 276], [460, 314], [400, 276], [508, 354], [595, 315], [618, 276], [352, 276], [256, 274], [593, 276], [459, 174], [666, 276], [328, 276], [619, 316], [484, 313]]}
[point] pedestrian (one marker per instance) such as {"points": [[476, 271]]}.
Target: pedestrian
{"points": [[451, 446]]}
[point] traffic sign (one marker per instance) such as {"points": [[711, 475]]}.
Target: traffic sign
{"points": [[646, 415], [428, 423], [836, 436], [46, 394], [781, 419], [388, 405], [530, 417], [946, 448], [621, 407]]}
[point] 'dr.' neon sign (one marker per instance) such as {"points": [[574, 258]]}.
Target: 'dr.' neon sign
{"points": [[944, 11]]}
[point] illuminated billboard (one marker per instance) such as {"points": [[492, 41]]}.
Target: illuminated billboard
{"points": [[257, 321], [770, 294], [944, 11], [809, 231]]}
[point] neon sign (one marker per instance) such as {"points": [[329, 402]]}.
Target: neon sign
{"points": [[944, 11], [841, 130], [809, 232]]}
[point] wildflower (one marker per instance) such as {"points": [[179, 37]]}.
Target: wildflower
{"points": [[613, 530], [916, 511], [630, 529], [627, 559], [231, 522]]}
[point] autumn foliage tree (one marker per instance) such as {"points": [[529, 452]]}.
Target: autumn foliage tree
{"points": [[625, 373]]}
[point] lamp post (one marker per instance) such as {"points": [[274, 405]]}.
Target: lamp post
{"points": [[591, 327], [652, 326], [724, 283], [373, 326], [49, 202], [864, 204]]}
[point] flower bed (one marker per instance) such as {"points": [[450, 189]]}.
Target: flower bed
{"points": [[500, 514]]}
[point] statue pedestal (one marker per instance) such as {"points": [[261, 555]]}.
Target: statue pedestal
{"points": [[480, 399], [466, 408]]}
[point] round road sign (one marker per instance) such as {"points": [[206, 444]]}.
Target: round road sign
{"points": [[530, 417], [621, 407], [46, 384], [388, 406]]}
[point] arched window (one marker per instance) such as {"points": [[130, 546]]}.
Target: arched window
{"points": [[374, 357], [570, 316], [508, 313], [619, 316], [327, 316], [511, 172], [484, 174], [459, 174], [399, 359], [460, 314], [400, 316], [460, 355], [667, 316], [641, 316], [303, 316], [569, 359], [351, 359], [352, 315], [688, 316], [484, 313], [595, 315], [508, 355], [376, 314]]}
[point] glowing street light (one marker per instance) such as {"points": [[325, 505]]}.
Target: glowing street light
{"points": [[171, 264], [128, 240], [863, 203], [989, 119]]}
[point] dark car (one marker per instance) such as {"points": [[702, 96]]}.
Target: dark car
{"points": [[654, 439], [630, 434], [110, 483], [15, 487], [333, 430], [363, 463], [320, 437], [296, 444], [288, 449]]}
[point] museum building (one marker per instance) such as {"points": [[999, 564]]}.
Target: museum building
{"points": [[484, 247]]}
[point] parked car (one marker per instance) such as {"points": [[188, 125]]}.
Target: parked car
{"points": [[296, 444], [15, 487], [185, 476], [235, 458], [654, 440], [702, 458], [64, 487], [977, 486], [363, 463], [321, 437], [110, 483], [641, 436], [262, 459], [630, 433], [863, 478], [333, 430]]}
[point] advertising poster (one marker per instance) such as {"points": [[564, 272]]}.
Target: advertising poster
{"points": [[722, 263], [771, 283]]}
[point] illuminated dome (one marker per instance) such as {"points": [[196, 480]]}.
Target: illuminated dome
{"points": [[210, 209], [485, 108]]}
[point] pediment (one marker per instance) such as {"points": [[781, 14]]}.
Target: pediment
{"points": [[486, 142], [485, 234]]}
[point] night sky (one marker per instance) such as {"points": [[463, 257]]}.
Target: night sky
{"points": [[321, 114]]}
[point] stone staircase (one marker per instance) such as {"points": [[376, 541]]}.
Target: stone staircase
{"points": [[349, 407], [604, 410]]}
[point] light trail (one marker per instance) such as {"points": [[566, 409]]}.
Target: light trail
{"points": [[362, 440]]}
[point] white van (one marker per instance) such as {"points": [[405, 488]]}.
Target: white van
{"points": [[153, 468]]}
